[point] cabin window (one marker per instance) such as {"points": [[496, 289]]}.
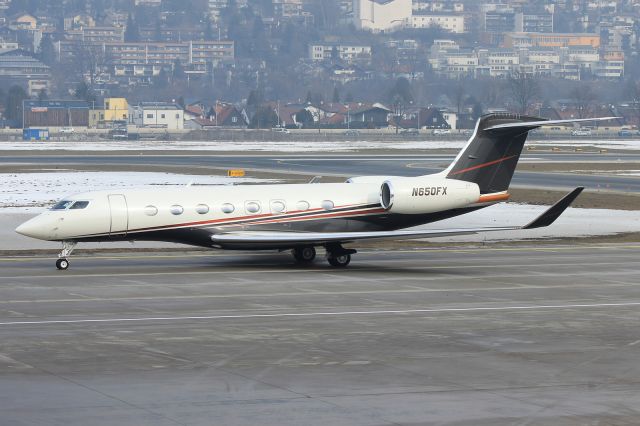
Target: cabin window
{"points": [[327, 204], [202, 208], [151, 210], [176, 209], [62, 205], [227, 208], [252, 207], [278, 206], [78, 205], [302, 205]]}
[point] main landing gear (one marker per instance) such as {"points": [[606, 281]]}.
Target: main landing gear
{"points": [[305, 254], [337, 256], [67, 248]]}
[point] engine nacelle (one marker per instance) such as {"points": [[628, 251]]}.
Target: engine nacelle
{"points": [[426, 195]]}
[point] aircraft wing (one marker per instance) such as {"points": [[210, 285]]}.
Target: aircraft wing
{"points": [[319, 238]]}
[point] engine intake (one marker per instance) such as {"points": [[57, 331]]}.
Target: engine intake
{"points": [[426, 195]]}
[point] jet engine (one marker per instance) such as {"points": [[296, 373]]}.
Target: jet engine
{"points": [[426, 195]]}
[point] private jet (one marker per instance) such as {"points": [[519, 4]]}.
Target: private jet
{"points": [[301, 217]]}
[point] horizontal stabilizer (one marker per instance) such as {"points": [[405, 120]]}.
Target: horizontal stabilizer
{"points": [[535, 124], [554, 212]]}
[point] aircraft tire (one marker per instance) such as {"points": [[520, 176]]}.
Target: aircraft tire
{"points": [[339, 261], [62, 264], [304, 254]]}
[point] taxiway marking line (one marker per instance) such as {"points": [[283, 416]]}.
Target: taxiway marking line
{"points": [[83, 299], [328, 314], [301, 271], [372, 252]]}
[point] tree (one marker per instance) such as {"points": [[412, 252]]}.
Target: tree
{"points": [[132, 32], [265, 117], [583, 98], [178, 70], [13, 103], [42, 95], [336, 95], [523, 89], [46, 50], [161, 81], [83, 91], [402, 89]]}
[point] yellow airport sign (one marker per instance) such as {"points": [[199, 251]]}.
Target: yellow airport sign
{"points": [[235, 173]]}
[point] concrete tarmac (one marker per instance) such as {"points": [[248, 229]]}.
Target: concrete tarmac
{"points": [[535, 335]]}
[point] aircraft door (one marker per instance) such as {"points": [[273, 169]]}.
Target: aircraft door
{"points": [[119, 215]]}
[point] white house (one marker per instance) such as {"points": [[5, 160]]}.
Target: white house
{"points": [[452, 22], [159, 115], [381, 15], [346, 52]]}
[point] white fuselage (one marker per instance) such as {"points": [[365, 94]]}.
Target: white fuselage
{"points": [[191, 214]]}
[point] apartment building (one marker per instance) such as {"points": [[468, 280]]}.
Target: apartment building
{"points": [[146, 59], [570, 62], [344, 51], [452, 22]]}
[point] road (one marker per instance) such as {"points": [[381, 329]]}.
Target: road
{"points": [[492, 336], [352, 165]]}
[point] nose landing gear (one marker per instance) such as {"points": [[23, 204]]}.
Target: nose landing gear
{"points": [[67, 248]]}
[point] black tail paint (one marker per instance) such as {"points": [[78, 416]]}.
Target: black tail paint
{"points": [[492, 155]]}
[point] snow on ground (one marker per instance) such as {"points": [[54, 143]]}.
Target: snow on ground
{"points": [[624, 144], [287, 146], [573, 223], [34, 190], [255, 146]]}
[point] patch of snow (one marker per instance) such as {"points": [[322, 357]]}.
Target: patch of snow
{"points": [[574, 222], [601, 144], [35, 190], [255, 146]]}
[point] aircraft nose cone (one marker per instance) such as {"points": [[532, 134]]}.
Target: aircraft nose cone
{"points": [[34, 228]]}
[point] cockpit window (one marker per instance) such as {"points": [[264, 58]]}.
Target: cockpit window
{"points": [[62, 205], [79, 205]]}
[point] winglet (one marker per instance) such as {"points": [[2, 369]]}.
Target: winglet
{"points": [[554, 212]]}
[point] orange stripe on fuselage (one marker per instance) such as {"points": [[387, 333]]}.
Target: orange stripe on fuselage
{"points": [[488, 198]]}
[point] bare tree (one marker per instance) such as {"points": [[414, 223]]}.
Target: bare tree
{"points": [[523, 89], [583, 98]]}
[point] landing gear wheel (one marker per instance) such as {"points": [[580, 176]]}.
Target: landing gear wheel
{"points": [[304, 254], [339, 261], [62, 264]]}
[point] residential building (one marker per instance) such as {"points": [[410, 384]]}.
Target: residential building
{"points": [[454, 23], [116, 109], [534, 21], [551, 40], [96, 34], [21, 68], [159, 115], [344, 51], [146, 59], [287, 8], [23, 21], [51, 113], [381, 15]]}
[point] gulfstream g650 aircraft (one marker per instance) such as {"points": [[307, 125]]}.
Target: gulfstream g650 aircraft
{"points": [[304, 216]]}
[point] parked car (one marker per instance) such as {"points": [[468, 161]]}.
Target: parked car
{"points": [[280, 130], [441, 131], [351, 132], [67, 130], [581, 132], [410, 132], [625, 133]]}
